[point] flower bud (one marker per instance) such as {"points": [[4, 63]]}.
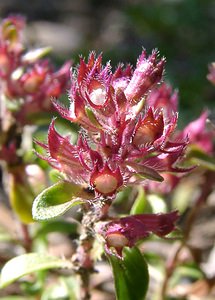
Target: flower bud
{"points": [[147, 73], [105, 181], [128, 230]]}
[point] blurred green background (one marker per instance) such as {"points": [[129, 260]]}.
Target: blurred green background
{"points": [[182, 30]]}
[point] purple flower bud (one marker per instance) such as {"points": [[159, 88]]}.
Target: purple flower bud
{"points": [[127, 231], [147, 73]]}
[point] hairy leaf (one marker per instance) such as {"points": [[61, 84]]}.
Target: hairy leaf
{"points": [[57, 199]]}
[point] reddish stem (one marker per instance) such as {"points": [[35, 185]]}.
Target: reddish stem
{"points": [[26, 237]]}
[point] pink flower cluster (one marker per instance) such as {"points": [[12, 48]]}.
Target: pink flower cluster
{"points": [[27, 80], [124, 140]]}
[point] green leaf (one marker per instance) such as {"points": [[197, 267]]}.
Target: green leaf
{"points": [[140, 204], [150, 174], [57, 199], [21, 196], [55, 176], [198, 157], [157, 203], [29, 263], [130, 275], [190, 271], [182, 194], [123, 196], [186, 272], [92, 117]]}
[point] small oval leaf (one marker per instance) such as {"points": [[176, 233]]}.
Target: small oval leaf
{"points": [[145, 172], [57, 199], [28, 263], [130, 275]]}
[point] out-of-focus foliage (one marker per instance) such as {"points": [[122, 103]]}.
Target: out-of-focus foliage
{"points": [[183, 31]]}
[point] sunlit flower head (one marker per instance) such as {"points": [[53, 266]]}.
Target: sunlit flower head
{"points": [[123, 141]]}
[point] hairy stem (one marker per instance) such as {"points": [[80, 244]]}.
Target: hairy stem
{"points": [[83, 259]]}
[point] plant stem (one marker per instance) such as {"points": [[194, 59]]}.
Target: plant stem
{"points": [[26, 237], [83, 257]]}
